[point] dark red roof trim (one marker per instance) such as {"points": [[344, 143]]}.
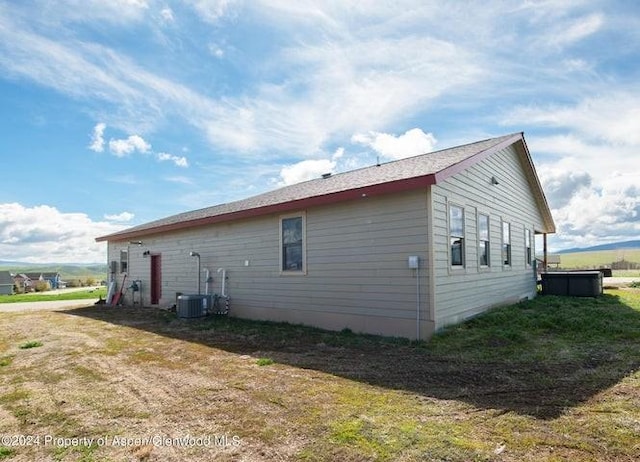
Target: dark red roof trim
{"points": [[314, 201]]}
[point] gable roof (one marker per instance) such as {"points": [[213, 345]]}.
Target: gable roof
{"points": [[400, 175], [37, 275]]}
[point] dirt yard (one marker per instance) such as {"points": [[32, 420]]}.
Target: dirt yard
{"points": [[139, 384]]}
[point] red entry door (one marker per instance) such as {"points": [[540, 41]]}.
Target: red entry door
{"points": [[156, 279]]}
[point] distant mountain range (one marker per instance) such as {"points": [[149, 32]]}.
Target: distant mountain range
{"points": [[66, 270], [612, 246], [27, 264]]}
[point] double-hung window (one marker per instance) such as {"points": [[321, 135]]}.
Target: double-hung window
{"points": [[483, 240], [506, 243], [292, 235], [456, 235]]}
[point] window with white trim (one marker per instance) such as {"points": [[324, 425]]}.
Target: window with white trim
{"points": [[484, 245], [292, 255], [456, 235], [506, 243], [124, 260], [527, 246]]}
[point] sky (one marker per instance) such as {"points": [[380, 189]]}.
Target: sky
{"points": [[119, 112]]}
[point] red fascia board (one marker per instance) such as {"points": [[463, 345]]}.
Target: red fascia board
{"points": [[300, 204]]}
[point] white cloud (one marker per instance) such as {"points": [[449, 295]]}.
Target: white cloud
{"points": [[575, 30], [592, 188], [112, 11], [120, 217], [211, 10], [179, 180], [347, 85], [411, 143], [599, 214], [216, 50], [97, 138], [167, 15], [338, 154], [130, 145], [43, 234], [124, 147], [560, 186], [305, 170], [613, 118], [179, 161]]}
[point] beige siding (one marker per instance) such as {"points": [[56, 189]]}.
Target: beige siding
{"points": [[461, 293], [357, 272]]}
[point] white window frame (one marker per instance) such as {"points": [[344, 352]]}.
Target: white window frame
{"points": [[124, 262], [528, 248], [506, 241], [293, 272], [481, 241], [452, 236]]}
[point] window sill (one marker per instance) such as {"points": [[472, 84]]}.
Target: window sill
{"points": [[293, 273]]}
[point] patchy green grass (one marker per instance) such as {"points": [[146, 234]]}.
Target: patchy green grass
{"points": [[551, 379], [49, 297], [6, 452], [30, 344]]}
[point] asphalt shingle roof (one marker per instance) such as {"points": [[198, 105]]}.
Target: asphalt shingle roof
{"points": [[405, 169]]}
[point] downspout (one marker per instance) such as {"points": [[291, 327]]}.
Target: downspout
{"points": [[544, 256], [207, 280], [197, 255], [224, 278]]}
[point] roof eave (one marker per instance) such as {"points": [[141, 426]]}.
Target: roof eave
{"points": [[283, 207]]}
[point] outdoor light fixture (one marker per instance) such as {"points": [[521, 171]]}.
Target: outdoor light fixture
{"points": [[146, 253], [494, 181]]}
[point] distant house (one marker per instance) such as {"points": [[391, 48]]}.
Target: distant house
{"points": [[403, 248], [22, 283], [6, 283], [26, 282]]}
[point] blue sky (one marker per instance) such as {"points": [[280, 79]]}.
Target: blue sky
{"points": [[116, 113]]}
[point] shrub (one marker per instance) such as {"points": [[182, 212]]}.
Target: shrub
{"points": [[42, 286]]}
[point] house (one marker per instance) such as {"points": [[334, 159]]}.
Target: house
{"points": [[402, 248], [26, 282], [22, 283], [6, 283]]}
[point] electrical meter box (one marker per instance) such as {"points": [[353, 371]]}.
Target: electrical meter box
{"points": [[413, 262]]}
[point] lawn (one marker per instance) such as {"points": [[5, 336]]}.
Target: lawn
{"points": [[546, 380], [47, 296]]}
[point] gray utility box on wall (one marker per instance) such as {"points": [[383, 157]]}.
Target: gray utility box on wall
{"points": [[572, 283], [191, 306]]}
